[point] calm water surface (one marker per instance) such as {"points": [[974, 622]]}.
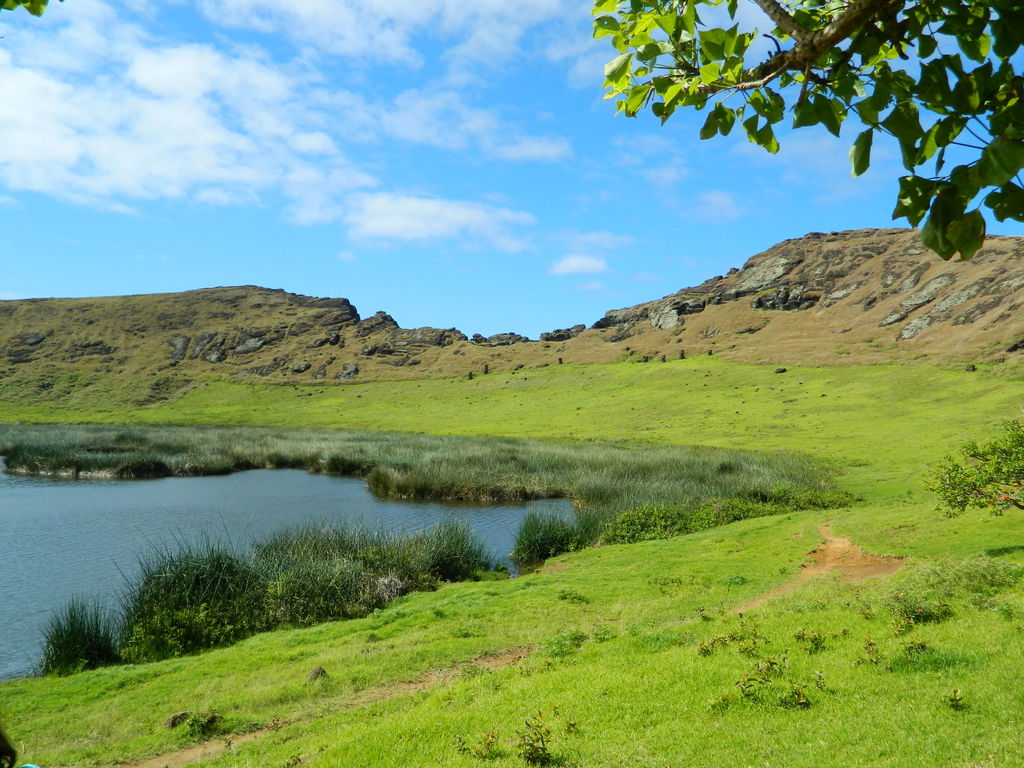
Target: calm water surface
{"points": [[60, 538]]}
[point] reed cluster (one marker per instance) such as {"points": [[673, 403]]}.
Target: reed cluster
{"points": [[190, 597]]}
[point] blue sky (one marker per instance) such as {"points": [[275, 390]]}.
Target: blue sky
{"points": [[452, 163]]}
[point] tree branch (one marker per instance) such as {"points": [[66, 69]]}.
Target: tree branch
{"points": [[782, 19], [810, 46]]}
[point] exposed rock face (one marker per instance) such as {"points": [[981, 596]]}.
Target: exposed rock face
{"points": [[381, 321], [883, 271], [563, 334], [348, 371], [498, 339]]}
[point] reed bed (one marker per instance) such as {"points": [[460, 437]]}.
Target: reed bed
{"points": [[401, 466]]}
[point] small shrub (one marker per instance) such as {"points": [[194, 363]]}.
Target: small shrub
{"points": [[80, 636], [533, 741], [488, 747], [190, 599], [202, 725], [910, 608], [565, 643], [794, 698], [812, 642], [572, 596], [870, 653], [955, 701]]}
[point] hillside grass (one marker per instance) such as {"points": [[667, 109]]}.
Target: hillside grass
{"points": [[616, 637]]}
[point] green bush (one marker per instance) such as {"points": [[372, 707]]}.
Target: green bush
{"points": [[80, 636], [987, 475]]}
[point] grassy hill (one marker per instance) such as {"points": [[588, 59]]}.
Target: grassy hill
{"points": [[717, 648], [631, 654]]}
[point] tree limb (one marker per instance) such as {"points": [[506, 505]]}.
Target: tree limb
{"points": [[810, 46], [782, 19]]}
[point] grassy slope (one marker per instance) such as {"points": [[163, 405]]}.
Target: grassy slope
{"points": [[641, 696]]}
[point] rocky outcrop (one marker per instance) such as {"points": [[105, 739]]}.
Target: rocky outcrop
{"points": [[563, 334], [381, 321], [498, 339], [883, 271]]}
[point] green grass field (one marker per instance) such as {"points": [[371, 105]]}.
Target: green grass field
{"points": [[633, 655]]}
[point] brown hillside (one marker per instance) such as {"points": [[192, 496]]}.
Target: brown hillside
{"points": [[845, 297]]}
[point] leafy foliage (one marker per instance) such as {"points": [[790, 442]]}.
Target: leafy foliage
{"points": [[35, 7], [987, 475], [959, 99]]}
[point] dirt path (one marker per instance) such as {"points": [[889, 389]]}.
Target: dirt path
{"points": [[214, 748], [836, 553]]}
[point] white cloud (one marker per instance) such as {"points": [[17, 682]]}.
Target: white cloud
{"points": [[717, 205], [444, 120], [383, 216], [346, 256], [94, 111], [389, 32], [654, 158], [576, 264]]}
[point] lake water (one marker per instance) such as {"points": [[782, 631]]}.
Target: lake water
{"points": [[60, 538]]}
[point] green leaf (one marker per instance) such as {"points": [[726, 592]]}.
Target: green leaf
{"points": [[690, 17], [618, 68], [926, 45], [709, 72], [1007, 202], [1000, 161], [637, 98], [967, 233], [913, 199], [710, 127], [605, 26], [605, 6], [804, 115], [667, 22], [860, 152], [726, 118], [830, 113]]}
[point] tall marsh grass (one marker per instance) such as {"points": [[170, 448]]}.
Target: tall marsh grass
{"points": [[190, 597], [83, 635], [595, 476]]}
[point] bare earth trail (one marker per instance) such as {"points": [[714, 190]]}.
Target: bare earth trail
{"points": [[836, 553], [214, 748]]}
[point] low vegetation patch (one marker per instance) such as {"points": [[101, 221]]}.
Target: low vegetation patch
{"points": [[660, 521]]}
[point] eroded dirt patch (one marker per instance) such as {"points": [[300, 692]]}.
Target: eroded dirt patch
{"points": [[835, 553]]}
